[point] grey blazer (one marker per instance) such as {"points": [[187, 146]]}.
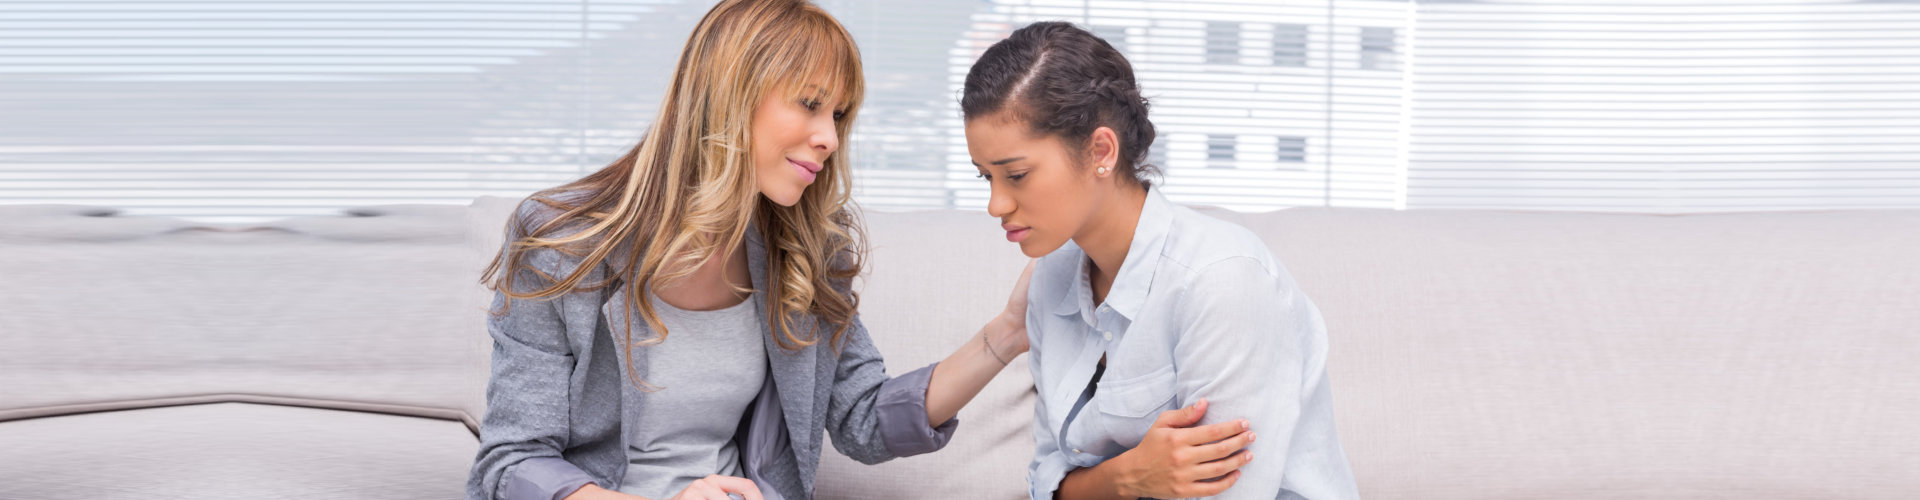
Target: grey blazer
{"points": [[559, 396]]}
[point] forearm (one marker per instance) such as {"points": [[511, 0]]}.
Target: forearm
{"points": [[594, 492], [1096, 483], [961, 376]]}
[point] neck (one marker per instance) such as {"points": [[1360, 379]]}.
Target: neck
{"points": [[1107, 236], [711, 286], [728, 266]]}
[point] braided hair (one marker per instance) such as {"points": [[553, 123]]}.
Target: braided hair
{"points": [[1065, 82]]}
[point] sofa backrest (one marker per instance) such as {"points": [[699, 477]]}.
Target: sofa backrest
{"points": [[369, 312], [1492, 354], [1496, 354], [1475, 354]]}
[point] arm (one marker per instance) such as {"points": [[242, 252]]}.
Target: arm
{"points": [[964, 373], [1242, 324], [1050, 475], [1242, 351], [705, 488], [595, 492], [526, 425], [1097, 483], [1174, 460], [873, 418]]}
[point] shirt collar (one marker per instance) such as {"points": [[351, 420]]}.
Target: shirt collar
{"points": [[1130, 285]]}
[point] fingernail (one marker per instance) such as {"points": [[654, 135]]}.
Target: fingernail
{"points": [[1251, 437], [1249, 456], [1244, 425]]}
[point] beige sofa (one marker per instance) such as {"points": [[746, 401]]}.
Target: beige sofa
{"points": [[1476, 354]]}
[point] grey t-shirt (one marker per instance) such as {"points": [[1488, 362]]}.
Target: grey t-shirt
{"points": [[710, 368]]}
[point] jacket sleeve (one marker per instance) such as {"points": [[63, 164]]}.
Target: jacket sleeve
{"points": [[528, 411], [873, 418]]}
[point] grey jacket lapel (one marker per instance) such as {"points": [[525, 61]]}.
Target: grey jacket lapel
{"points": [[615, 310], [793, 372]]}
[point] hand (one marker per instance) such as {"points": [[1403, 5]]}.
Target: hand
{"points": [[718, 487], [594, 492], [1011, 339], [1175, 461]]}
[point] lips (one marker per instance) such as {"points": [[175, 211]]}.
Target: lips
{"points": [[806, 169], [1016, 233], [809, 166]]}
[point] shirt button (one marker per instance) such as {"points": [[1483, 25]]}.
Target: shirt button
{"points": [[1077, 451], [1108, 335]]}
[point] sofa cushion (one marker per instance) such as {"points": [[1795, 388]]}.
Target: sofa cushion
{"points": [[234, 450]]}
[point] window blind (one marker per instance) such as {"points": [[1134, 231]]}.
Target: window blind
{"points": [[249, 110], [1666, 106], [1259, 105], [235, 110], [225, 109]]}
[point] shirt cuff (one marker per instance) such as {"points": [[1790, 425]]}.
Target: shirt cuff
{"points": [[1045, 476], [902, 408], [544, 478]]}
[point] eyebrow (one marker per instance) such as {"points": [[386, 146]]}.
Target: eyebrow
{"points": [[1003, 162]]}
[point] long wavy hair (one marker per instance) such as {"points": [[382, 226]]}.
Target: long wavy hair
{"points": [[688, 188]]}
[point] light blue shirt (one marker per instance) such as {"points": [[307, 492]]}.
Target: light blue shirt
{"points": [[1200, 308]]}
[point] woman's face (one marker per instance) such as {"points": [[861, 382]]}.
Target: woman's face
{"points": [[1042, 196], [792, 138]]}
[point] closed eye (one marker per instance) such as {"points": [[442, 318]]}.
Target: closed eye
{"points": [[1010, 177]]}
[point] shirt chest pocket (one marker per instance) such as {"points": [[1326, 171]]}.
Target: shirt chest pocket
{"points": [[1129, 406]]}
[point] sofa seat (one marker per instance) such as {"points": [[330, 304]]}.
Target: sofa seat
{"points": [[234, 450]]}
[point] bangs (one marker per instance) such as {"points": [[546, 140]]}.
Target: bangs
{"points": [[818, 51]]}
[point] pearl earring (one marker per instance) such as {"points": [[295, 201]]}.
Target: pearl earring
{"points": [[1103, 170]]}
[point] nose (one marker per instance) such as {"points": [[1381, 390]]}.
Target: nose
{"points": [[825, 136], [999, 203]]}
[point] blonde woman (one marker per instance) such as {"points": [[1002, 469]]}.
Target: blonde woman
{"points": [[1173, 355], [681, 324]]}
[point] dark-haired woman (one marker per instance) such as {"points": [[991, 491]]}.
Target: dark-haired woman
{"points": [[1163, 341]]}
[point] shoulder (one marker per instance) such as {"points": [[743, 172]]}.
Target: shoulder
{"points": [[543, 216], [536, 215], [1221, 268], [1207, 248]]}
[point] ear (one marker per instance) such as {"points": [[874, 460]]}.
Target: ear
{"points": [[1103, 147]]}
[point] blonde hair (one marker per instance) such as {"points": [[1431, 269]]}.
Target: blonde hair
{"points": [[688, 188]]}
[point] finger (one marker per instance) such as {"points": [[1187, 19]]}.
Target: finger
{"points": [[1211, 433], [1221, 467], [1026, 277], [701, 490], [743, 486], [713, 492], [1184, 417], [1219, 450], [1214, 487], [1018, 300]]}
